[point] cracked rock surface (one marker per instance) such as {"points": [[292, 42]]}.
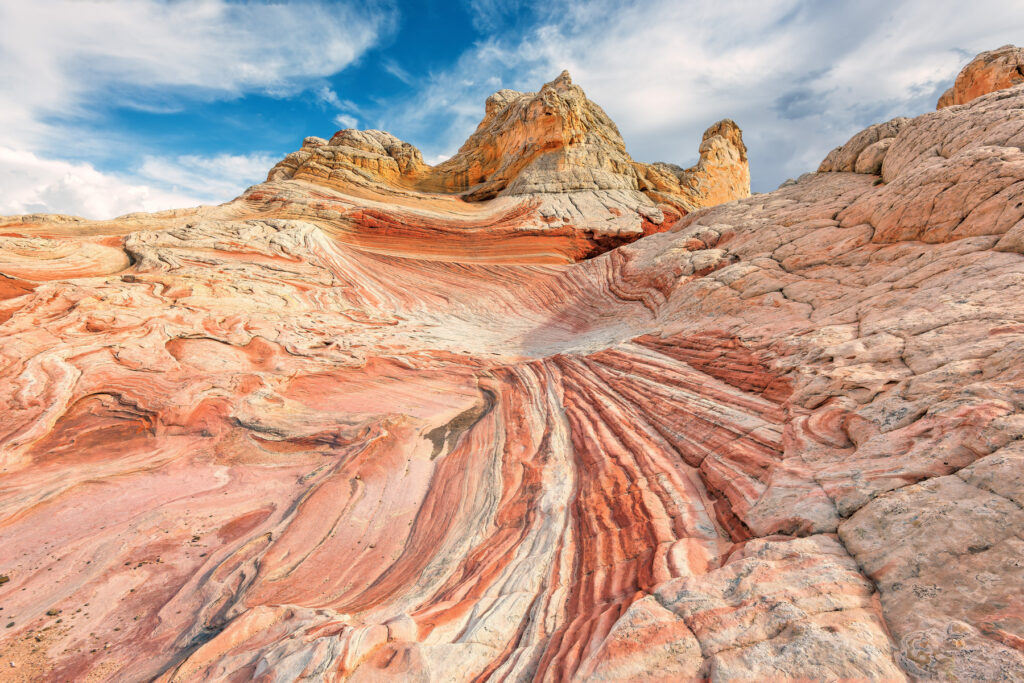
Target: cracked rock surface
{"points": [[355, 425]]}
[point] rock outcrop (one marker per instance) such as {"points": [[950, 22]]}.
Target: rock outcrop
{"points": [[347, 428], [988, 72], [554, 147]]}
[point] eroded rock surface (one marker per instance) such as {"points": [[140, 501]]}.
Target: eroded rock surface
{"points": [[553, 155], [349, 427], [988, 72]]}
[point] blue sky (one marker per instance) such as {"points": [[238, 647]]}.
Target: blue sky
{"points": [[114, 106]]}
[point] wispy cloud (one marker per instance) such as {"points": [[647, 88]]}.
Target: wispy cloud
{"points": [[63, 58], [207, 177], [492, 15], [65, 62], [346, 121], [328, 97], [393, 68], [344, 118], [798, 76]]}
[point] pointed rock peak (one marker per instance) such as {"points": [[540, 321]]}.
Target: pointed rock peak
{"points": [[562, 84], [730, 133]]}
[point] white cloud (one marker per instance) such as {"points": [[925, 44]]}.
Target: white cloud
{"points": [[329, 97], [346, 121], [490, 15], [59, 57], [799, 77], [61, 60], [34, 185], [214, 178], [396, 70]]}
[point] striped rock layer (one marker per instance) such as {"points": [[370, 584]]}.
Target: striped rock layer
{"points": [[377, 421]]}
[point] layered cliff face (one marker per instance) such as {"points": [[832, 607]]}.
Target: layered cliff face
{"points": [[363, 423]]}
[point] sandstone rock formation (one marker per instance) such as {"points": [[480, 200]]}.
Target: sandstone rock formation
{"points": [[556, 148], [988, 72], [350, 426]]}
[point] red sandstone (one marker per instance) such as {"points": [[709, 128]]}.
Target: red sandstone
{"points": [[376, 421]]}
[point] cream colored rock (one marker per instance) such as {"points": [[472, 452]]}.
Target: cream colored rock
{"points": [[351, 156], [530, 144], [554, 140], [721, 175], [951, 586], [865, 151]]}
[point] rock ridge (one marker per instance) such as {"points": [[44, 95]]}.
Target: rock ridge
{"points": [[533, 145]]}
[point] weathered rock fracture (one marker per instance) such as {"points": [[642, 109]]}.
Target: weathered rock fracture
{"points": [[375, 420]]}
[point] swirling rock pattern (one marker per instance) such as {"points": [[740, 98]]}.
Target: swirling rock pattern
{"points": [[362, 430]]}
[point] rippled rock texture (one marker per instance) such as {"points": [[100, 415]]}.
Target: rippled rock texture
{"points": [[375, 421]]}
